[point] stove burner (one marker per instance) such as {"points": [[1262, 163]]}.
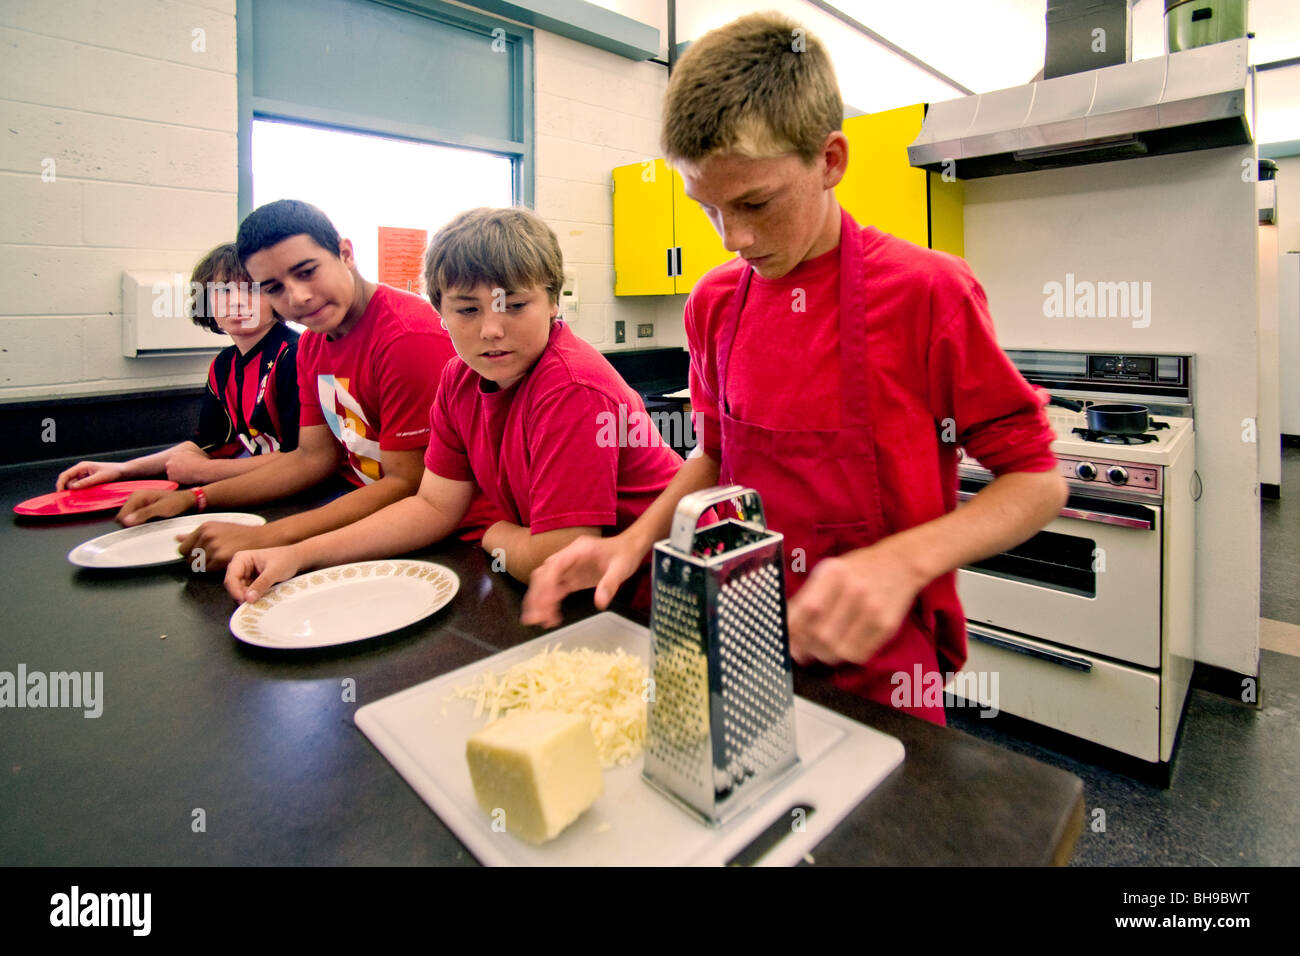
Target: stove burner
{"points": [[1110, 438]]}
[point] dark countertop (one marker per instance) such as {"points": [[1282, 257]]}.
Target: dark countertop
{"points": [[264, 744]]}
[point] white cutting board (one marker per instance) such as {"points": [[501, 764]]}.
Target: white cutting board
{"points": [[422, 731]]}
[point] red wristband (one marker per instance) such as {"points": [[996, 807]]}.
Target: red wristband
{"points": [[200, 498]]}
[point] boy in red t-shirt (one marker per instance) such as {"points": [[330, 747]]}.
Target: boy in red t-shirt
{"points": [[519, 416], [835, 369], [368, 368]]}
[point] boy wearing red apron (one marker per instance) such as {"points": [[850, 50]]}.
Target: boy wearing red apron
{"points": [[835, 369]]}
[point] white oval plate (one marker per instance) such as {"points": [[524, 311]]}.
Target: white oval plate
{"points": [[347, 603], [150, 544]]}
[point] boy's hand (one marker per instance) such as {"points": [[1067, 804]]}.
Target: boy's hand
{"points": [[188, 468], [602, 563], [219, 541], [154, 503], [852, 605], [252, 573], [85, 474]]}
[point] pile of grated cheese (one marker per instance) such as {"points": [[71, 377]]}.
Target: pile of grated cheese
{"points": [[610, 690]]}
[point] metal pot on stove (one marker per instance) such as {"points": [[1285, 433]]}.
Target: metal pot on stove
{"points": [[1118, 418]]}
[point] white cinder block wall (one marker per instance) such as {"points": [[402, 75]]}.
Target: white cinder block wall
{"points": [[595, 111], [131, 116], [117, 151]]}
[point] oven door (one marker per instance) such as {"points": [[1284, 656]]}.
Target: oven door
{"points": [[1090, 579]]}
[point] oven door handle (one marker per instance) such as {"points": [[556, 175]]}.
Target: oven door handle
{"points": [[1103, 517], [1085, 514], [1008, 644]]}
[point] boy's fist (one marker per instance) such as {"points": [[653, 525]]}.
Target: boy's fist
{"points": [[219, 541], [852, 605], [143, 505], [252, 573]]}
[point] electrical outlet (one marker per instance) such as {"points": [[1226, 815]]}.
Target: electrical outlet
{"points": [[620, 331], [645, 330]]}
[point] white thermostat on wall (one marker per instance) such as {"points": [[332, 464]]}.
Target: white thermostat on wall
{"points": [[156, 317]]}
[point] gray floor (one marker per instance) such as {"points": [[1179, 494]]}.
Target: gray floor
{"points": [[1234, 797]]}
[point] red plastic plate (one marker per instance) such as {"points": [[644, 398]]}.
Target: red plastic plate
{"points": [[105, 497]]}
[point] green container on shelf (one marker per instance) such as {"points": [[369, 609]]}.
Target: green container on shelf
{"points": [[1193, 23]]}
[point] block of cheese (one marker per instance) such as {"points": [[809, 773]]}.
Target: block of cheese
{"points": [[537, 767]]}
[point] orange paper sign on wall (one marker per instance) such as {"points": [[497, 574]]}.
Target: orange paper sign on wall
{"points": [[401, 258]]}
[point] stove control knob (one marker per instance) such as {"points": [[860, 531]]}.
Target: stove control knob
{"points": [[1086, 470], [1117, 475]]}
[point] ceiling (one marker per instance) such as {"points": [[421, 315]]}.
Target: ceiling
{"points": [[995, 44], [982, 45]]}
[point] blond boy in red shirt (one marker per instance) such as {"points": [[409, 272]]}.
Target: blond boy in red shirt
{"points": [[835, 369]]}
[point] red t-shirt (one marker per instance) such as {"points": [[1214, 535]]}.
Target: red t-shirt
{"points": [[932, 366], [374, 386], [546, 451], [932, 355]]}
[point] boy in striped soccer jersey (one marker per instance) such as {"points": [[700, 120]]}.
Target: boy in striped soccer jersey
{"points": [[250, 412]]}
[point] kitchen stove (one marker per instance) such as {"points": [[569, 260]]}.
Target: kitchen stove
{"points": [[1089, 623], [1086, 466], [1116, 438]]}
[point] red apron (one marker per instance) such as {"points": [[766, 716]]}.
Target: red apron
{"points": [[820, 487]]}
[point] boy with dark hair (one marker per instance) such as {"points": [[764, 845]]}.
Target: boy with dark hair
{"points": [[250, 411], [855, 456], [368, 370], [517, 417]]}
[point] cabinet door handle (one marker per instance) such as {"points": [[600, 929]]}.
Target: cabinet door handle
{"points": [[679, 261], [670, 262]]}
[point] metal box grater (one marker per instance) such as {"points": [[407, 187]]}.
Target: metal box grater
{"points": [[720, 720]]}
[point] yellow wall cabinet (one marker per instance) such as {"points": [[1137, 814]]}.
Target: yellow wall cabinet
{"points": [[663, 242], [881, 189]]}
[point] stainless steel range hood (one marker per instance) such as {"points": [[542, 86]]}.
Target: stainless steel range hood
{"points": [[1197, 99]]}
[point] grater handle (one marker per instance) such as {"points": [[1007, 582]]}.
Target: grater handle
{"points": [[696, 503]]}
